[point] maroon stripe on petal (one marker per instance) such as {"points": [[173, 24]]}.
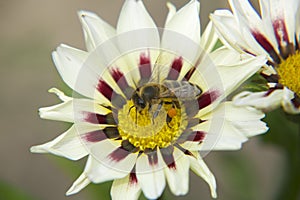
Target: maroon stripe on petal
{"points": [[119, 154], [207, 98], [95, 118], [94, 136], [132, 177], [196, 136], [190, 73], [119, 77], [296, 101], [271, 90], [104, 89], [175, 69], [167, 154], [264, 42], [280, 31], [185, 151], [145, 66], [152, 157], [273, 78]]}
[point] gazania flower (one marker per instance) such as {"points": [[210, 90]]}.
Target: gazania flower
{"points": [[276, 34], [148, 106]]}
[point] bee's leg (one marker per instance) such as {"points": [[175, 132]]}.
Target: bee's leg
{"points": [[168, 120], [155, 114]]}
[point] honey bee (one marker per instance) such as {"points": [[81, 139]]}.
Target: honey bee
{"points": [[156, 93]]}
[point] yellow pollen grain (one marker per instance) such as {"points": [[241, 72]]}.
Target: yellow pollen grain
{"points": [[144, 132], [289, 72]]}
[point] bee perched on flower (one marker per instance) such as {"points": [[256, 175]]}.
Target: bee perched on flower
{"points": [[148, 101], [275, 34]]}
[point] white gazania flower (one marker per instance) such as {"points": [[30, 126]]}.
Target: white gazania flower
{"points": [[276, 34], [141, 134]]}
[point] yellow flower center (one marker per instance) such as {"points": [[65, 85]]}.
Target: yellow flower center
{"points": [[289, 72], [145, 131]]}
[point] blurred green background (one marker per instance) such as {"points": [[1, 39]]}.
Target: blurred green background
{"points": [[30, 31]]}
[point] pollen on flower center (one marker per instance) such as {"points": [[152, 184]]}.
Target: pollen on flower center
{"points": [[144, 131], [289, 72]]}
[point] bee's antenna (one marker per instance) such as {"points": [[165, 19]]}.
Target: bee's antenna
{"points": [[130, 110]]}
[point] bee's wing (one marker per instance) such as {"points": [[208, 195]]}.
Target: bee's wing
{"points": [[182, 89], [161, 68]]}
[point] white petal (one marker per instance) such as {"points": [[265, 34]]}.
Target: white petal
{"points": [[287, 104], [199, 167], [246, 119], [209, 38], [95, 29], [298, 23], [134, 16], [249, 21], [124, 189], [101, 167], [68, 62], [137, 34], [171, 13], [81, 182], [178, 178], [67, 145], [259, 100], [150, 177], [287, 12], [72, 109], [71, 64], [186, 22], [228, 127], [227, 28], [235, 73]]}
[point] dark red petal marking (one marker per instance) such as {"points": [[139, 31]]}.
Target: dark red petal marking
{"points": [[175, 69], [285, 47], [207, 98], [190, 135], [94, 136], [132, 177], [167, 154], [185, 151], [95, 118], [196, 136], [280, 31], [120, 79], [152, 157], [119, 154], [145, 66], [271, 90], [296, 101], [273, 78], [104, 89], [189, 73], [263, 41]]}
